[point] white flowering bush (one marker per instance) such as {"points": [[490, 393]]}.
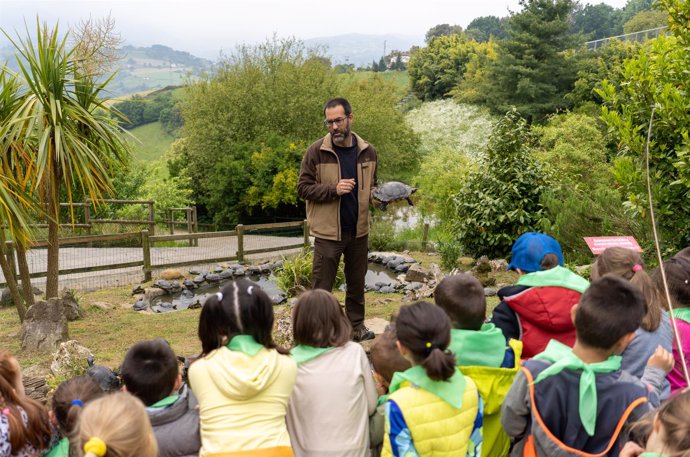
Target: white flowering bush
{"points": [[449, 126]]}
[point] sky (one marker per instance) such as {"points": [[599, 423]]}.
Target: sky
{"points": [[205, 27]]}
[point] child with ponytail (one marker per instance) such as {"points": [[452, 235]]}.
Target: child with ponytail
{"points": [[669, 434], [655, 329], [115, 425], [242, 380], [24, 424], [432, 408], [68, 401]]}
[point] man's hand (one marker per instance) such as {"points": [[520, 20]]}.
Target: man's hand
{"points": [[345, 186], [661, 359]]}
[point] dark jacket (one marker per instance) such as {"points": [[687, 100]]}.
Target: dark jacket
{"points": [[544, 417], [177, 426], [318, 176]]}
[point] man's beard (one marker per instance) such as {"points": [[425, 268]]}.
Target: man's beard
{"points": [[342, 133]]}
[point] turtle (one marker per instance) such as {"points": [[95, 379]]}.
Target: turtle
{"points": [[393, 191]]}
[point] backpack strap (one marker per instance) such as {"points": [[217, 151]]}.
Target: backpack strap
{"points": [[530, 449]]}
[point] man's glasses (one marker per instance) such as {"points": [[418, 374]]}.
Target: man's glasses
{"points": [[337, 121]]}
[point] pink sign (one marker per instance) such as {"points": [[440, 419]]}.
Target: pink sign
{"points": [[597, 244]]}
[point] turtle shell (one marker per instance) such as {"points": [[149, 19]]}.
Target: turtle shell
{"points": [[393, 191]]}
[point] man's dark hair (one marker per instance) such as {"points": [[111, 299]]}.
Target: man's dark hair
{"points": [[462, 298], [332, 103], [318, 320], [150, 370], [610, 309]]}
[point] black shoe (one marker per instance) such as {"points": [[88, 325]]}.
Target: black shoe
{"points": [[362, 334]]}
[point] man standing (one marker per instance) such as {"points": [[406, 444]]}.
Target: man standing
{"points": [[336, 178]]}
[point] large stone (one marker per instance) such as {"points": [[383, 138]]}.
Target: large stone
{"points": [[45, 326], [71, 359], [417, 273], [71, 307], [376, 325], [498, 265], [151, 293]]}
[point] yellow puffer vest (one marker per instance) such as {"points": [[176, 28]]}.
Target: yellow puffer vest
{"points": [[493, 384], [437, 429]]}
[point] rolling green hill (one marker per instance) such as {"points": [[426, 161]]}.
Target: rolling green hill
{"points": [[151, 143]]}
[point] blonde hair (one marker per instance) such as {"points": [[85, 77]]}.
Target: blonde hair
{"points": [[628, 264], [120, 421]]}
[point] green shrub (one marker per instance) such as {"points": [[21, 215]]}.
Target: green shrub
{"points": [[502, 198], [382, 236], [296, 274], [450, 251]]}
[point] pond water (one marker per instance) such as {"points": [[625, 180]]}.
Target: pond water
{"points": [[165, 303]]}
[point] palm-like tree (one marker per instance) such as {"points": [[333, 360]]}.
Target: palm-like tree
{"points": [[70, 132]]}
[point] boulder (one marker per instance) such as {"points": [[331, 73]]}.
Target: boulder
{"points": [[387, 290], [417, 273], [35, 380], [490, 291], [45, 326], [151, 293], [499, 265], [71, 359], [71, 307], [483, 265], [376, 325], [103, 305], [171, 273]]}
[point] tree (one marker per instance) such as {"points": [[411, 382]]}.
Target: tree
{"points": [[597, 21], [382, 64], [657, 78], [646, 20], [65, 124], [441, 30], [532, 71], [439, 67], [484, 27], [375, 66]]}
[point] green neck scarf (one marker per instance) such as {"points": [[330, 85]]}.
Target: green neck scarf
{"points": [[303, 353], [562, 358], [245, 344], [167, 401], [485, 347], [382, 399], [652, 454], [682, 314], [557, 276], [450, 391]]}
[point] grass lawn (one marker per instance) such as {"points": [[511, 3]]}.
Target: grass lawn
{"points": [[400, 79], [109, 333], [151, 143]]}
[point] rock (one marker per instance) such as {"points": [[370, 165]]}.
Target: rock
{"points": [[417, 273], [189, 284], [387, 290], [402, 268], [5, 298], [483, 265], [278, 299], [239, 271], [160, 309], [71, 307], [584, 270], [105, 377], [282, 326], [376, 325], [486, 280], [371, 288], [103, 305], [414, 285], [151, 293], [380, 284], [498, 265], [35, 380], [409, 260], [171, 273], [71, 359], [343, 287], [163, 284], [45, 326], [392, 264], [490, 291], [140, 305], [198, 279]]}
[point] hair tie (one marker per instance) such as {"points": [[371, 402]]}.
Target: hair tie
{"points": [[249, 290], [428, 345], [219, 295], [96, 446], [637, 267], [77, 402], [6, 412]]}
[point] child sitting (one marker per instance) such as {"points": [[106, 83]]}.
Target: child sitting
{"points": [[677, 271], [334, 393], [480, 352], [576, 401], [386, 360], [670, 431], [242, 381], [115, 425], [655, 329], [433, 409], [68, 401], [24, 424], [537, 308], [150, 372]]}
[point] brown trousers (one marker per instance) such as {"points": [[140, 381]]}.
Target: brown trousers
{"points": [[326, 260]]}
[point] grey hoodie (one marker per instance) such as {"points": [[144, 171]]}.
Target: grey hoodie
{"points": [[177, 426]]}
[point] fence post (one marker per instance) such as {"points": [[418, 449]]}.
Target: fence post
{"points": [[190, 224], [170, 213], [306, 234], [87, 216], [152, 218], [146, 246], [196, 225], [425, 236], [240, 242]]}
